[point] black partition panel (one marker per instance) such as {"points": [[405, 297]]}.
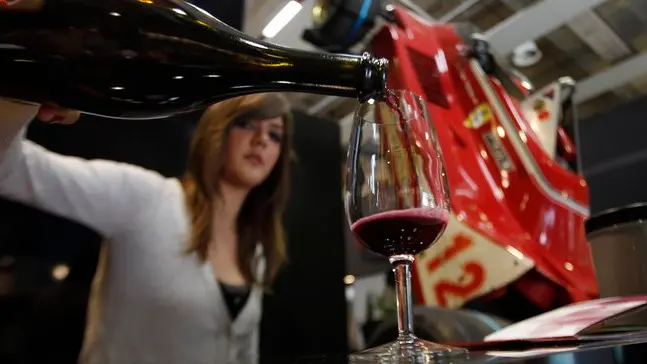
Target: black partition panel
{"points": [[46, 268], [306, 314], [613, 149]]}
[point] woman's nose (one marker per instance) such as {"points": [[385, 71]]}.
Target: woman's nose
{"points": [[261, 136]]}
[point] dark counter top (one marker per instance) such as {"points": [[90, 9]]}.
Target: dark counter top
{"points": [[629, 351]]}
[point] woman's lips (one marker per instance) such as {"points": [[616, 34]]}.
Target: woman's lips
{"points": [[255, 159]]}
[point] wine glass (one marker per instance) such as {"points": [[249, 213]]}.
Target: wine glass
{"points": [[397, 204]]}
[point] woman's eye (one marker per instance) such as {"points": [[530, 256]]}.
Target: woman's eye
{"points": [[276, 136], [244, 124]]}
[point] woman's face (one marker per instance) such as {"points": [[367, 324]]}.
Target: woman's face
{"points": [[253, 148]]}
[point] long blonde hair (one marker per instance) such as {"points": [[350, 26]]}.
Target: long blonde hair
{"points": [[260, 218]]}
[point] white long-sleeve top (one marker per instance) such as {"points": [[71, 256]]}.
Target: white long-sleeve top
{"points": [[157, 304]]}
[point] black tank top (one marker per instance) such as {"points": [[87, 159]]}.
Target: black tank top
{"points": [[235, 297]]}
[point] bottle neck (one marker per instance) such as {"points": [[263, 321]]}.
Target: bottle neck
{"points": [[375, 76], [362, 77]]}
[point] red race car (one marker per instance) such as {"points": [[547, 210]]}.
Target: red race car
{"points": [[515, 245]]}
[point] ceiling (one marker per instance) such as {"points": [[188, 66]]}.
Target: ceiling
{"points": [[602, 44]]}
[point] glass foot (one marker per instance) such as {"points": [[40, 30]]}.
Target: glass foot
{"points": [[411, 351]]}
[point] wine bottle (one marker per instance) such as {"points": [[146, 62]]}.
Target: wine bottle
{"points": [[143, 59]]}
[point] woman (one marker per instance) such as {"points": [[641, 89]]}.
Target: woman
{"points": [[186, 260]]}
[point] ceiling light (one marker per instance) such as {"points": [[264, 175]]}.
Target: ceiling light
{"points": [[289, 11]]}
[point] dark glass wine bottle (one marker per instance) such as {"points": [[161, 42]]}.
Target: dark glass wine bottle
{"points": [[140, 59]]}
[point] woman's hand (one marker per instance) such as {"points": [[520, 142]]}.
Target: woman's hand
{"points": [[57, 115]]}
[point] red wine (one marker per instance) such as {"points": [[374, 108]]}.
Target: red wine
{"points": [[397, 232], [392, 100], [135, 59]]}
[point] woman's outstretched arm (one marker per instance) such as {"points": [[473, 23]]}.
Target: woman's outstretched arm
{"points": [[103, 195]]}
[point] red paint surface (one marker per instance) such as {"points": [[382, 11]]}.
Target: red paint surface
{"points": [[550, 234]]}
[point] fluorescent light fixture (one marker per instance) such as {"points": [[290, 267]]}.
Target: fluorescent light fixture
{"points": [[289, 11]]}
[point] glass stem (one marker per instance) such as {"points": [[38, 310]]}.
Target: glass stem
{"points": [[402, 271]]}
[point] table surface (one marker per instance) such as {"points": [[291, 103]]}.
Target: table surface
{"points": [[628, 351]]}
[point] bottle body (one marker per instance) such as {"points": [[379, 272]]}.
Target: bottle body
{"points": [[135, 59]]}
